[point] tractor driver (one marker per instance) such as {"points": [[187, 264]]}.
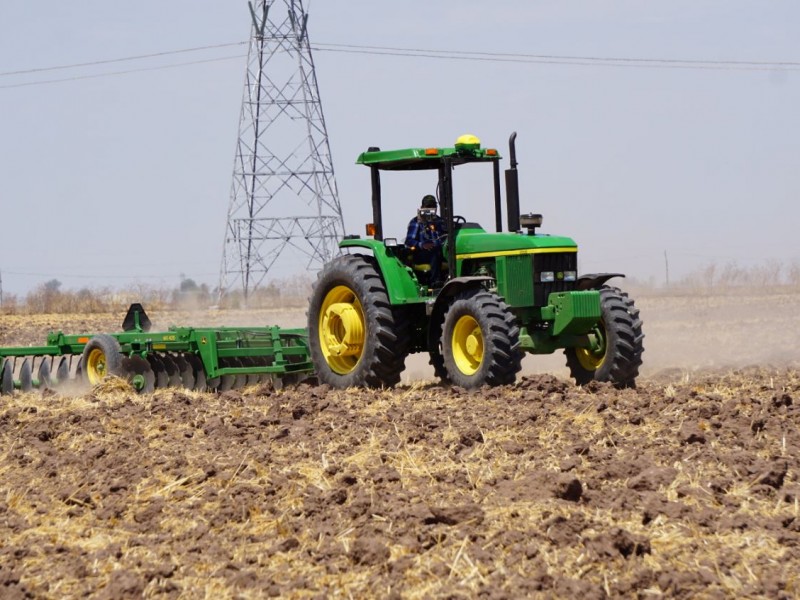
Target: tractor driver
{"points": [[426, 234]]}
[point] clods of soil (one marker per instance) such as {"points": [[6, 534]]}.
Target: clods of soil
{"points": [[685, 487]]}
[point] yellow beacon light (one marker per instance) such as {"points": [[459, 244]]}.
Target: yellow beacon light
{"points": [[468, 142]]}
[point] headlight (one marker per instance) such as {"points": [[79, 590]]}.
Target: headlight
{"points": [[547, 276], [570, 275]]}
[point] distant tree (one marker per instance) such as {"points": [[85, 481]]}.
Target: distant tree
{"points": [[190, 294], [188, 285], [52, 286]]}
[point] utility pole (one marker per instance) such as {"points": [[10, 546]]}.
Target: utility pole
{"points": [[666, 267], [284, 202]]}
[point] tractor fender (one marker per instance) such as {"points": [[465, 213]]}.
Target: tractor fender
{"points": [[400, 283], [451, 289], [593, 281]]}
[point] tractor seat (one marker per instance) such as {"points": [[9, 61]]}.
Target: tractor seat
{"points": [[426, 267]]}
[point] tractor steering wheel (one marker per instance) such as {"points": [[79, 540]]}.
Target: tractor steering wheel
{"points": [[457, 220]]}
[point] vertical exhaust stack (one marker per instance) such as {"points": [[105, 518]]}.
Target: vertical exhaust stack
{"points": [[512, 186]]}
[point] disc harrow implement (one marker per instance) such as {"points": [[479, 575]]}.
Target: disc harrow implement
{"points": [[195, 358]]}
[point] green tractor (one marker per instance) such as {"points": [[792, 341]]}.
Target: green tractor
{"points": [[504, 293]]}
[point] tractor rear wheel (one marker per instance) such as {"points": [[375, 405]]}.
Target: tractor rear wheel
{"points": [[101, 357], [618, 354], [480, 341], [355, 336]]}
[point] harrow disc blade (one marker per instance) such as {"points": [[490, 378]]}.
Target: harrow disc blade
{"points": [[200, 383], [7, 378], [252, 378], [185, 371], [173, 374], [62, 372], [25, 376], [137, 370], [264, 361], [159, 370], [226, 383], [45, 381], [239, 381]]}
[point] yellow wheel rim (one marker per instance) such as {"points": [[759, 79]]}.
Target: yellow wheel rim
{"points": [[342, 329], [467, 342], [96, 366], [592, 359]]}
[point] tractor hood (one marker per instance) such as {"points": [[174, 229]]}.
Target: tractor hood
{"points": [[477, 243]]}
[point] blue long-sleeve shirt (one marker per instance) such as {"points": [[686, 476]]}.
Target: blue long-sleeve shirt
{"points": [[420, 232]]}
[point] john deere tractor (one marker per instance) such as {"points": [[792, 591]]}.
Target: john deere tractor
{"points": [[505, 293]]}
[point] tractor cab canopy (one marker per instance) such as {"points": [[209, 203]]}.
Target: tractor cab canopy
{"points": [[466, 150]]}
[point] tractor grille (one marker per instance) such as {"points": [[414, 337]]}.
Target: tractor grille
{"points": [[558, 262]]}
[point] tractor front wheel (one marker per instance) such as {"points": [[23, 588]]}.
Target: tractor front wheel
{"points": [[617, 353], [355, 336], [480, 341]]}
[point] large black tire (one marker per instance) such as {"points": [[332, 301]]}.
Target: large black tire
{"points": [[620, 355], [355, 336], [437, 362], [101, 357], [480, 341], [436, 322]]}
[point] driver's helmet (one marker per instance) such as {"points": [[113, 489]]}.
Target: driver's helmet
{"points": [[428, 201]]}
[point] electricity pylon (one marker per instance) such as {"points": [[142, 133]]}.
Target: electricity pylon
{"points": [[284, 202]]}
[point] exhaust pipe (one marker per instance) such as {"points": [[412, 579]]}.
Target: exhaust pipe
{"points": [[512, 186]]}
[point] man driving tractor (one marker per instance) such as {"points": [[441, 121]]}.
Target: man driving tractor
{"points": [[426, 234]]}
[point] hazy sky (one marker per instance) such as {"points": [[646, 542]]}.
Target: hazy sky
{"points": [[126, 178]]}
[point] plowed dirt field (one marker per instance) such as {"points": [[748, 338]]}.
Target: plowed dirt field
{"points": [[684, 487]]}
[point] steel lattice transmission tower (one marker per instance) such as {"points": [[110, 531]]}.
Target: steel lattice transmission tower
{"points": [[284, 201]]}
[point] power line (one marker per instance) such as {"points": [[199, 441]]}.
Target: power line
{"points": [[462, 55], [570, 57], [113, 73], [640, 63], [123, 59]]}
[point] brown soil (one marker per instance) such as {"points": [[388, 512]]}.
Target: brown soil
{"points": [[678, 487], [687, 486]]}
